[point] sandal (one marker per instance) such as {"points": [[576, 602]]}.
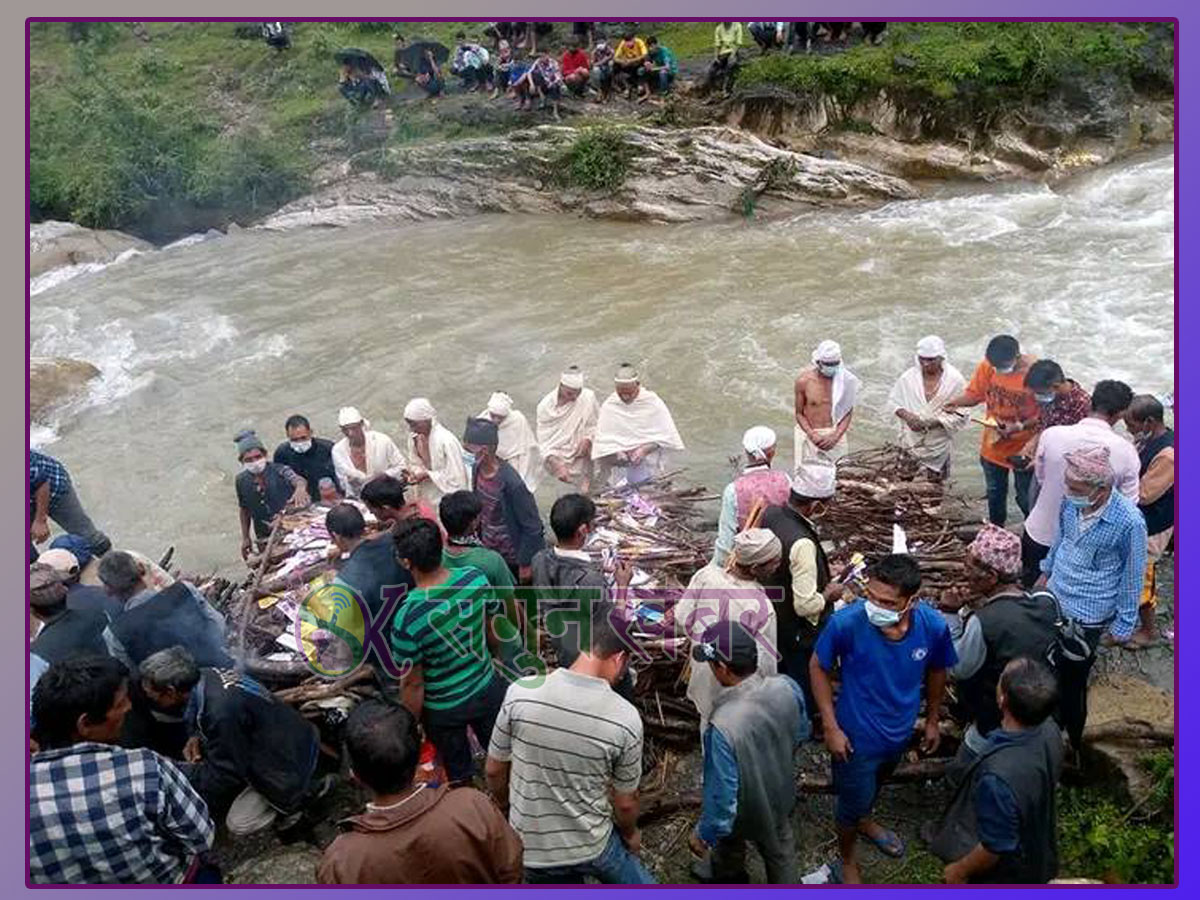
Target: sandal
{"points": [[889, 845]]}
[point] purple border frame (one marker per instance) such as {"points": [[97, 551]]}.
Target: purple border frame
{"points": [[933, 10]]}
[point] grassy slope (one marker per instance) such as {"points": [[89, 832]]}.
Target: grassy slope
{"points": [[196, 126]]}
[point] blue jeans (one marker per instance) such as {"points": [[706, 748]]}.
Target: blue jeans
{"points": [[996, 478], [615, 865]]}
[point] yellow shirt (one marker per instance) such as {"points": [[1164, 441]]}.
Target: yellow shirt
{"points": [[625, 53], [727, 40]]}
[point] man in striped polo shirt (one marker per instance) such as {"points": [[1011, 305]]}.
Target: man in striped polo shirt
{"points": [[571, 747], [443, 634]]}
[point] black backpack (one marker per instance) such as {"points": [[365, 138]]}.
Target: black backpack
{"points": [[1070, 648]]}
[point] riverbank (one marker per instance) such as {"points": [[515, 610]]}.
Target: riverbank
{"points": [[188, 127]]}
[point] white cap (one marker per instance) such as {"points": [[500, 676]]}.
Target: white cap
{"points": [[757, 440], [827, 352], [931, 347], [817, 481], [348, 415], [60, 560], [572, 378], [419, 410], [500, 404]]}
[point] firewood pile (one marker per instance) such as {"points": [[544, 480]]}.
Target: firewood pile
{"points": [[882, 487], [657, 526]]}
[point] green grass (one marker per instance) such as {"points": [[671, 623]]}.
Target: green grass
{"points": [[979, 62]]}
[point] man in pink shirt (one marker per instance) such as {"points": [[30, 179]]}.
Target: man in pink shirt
{"points": [[1109, 402]]}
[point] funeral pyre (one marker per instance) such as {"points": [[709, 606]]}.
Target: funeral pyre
{"points": [[883, 488]]}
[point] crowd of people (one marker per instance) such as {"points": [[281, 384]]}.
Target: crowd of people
{"points": [[133, 676], [597, 66]]}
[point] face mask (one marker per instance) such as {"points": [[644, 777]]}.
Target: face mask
{"points": [[255, 468], [1079, 502], [828, 369], [1006, 370], [301, 446], [880, 617], [468, 461], [1044, 399]]}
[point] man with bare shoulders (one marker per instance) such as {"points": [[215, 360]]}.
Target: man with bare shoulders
{"points": [[825, 395]]}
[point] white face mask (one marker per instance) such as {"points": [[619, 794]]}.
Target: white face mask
{"points": [[301, 446], [255, 468]]}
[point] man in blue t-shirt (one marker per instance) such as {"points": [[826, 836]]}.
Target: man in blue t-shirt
{"points": [[885, 645]]}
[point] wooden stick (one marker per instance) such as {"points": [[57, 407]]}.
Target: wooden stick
{"points": [[250, 594]]}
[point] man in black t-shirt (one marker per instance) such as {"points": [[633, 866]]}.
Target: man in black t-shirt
{"points": [[309, 457]]}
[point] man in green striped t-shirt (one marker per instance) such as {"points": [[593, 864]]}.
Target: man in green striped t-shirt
{"points": [[443, 633]]}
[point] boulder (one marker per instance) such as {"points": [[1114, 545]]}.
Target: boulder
{"points": [[1127, 719], [674, 175], [56, 244], [54, 381]]}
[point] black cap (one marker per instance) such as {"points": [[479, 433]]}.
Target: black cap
{"points": [[481, 431], [727, 642]]}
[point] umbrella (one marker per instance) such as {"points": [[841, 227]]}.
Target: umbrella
{"points": [[358, 58], [412, 54]]}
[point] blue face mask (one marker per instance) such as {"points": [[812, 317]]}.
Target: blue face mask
{"points": [[880, 617], [468, 461], [1079, 502], [1006, 370], [828, 369], [1044, 399]]}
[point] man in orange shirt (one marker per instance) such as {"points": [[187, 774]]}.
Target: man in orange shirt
{"points": [[999, 383]]}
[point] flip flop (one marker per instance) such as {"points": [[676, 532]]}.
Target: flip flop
{"points": [[889, 845]]}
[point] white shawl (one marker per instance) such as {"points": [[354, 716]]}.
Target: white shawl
{"points": [[447, 471], [845, 393], [518, 446], [382, 457], [561, 429], [931, 447], [622, 426]]}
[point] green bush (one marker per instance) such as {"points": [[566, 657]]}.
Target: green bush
{"points": [[988, 61], [597, 160], [1098, 839], [246, 174]]}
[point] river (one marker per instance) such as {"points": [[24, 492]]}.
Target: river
{"points": [[199, 340]]}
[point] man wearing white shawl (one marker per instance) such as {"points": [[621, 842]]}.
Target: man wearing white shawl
{"points": [[362, 454], [518, 445], [716, 594], [633, 432], [566, 426], [926, 429], [826, 393], [435, 456]]}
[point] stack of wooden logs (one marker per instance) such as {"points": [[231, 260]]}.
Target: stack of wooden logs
{"points": [[886, 486], [658, 528]]}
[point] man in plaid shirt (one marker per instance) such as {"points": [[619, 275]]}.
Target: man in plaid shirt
{"points": [[98, 813], [52, 496]]}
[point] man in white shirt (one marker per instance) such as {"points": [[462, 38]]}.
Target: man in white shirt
{"points": [[1110, 400], [362, 454], [436, 465]]}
